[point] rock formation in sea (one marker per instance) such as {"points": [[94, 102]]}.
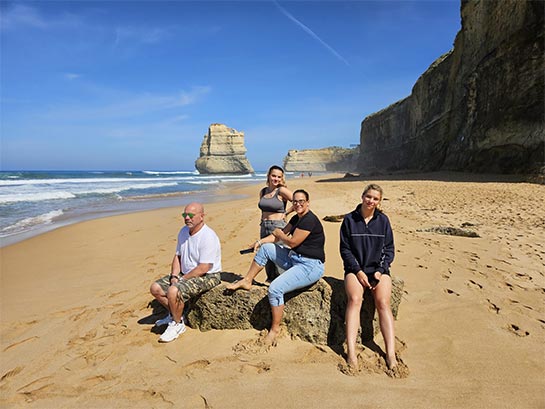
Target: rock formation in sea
{"points": [[223, 151], [315, 314], [334, 159], [480, 107]]}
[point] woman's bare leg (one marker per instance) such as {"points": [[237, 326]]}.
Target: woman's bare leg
{"points": [[246, 282], [277, 314], [354, 293], [382, 294]]}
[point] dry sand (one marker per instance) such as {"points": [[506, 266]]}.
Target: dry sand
{"points": [[75, 310]]}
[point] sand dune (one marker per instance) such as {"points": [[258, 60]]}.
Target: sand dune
{"points": [[76, 315]]}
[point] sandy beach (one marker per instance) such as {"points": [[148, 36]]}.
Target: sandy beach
{"points": [[75, 308]]}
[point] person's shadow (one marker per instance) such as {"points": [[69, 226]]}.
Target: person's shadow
{"points": [[337, 332]]}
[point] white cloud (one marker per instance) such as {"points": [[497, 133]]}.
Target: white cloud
{"points": [[22, 15], [143, 35], [126, 105], [71, 76]]}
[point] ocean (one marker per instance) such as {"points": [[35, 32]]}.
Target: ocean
{"points": [[33, 202]]}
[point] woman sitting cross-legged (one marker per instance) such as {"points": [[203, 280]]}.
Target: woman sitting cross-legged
{"points": [[303, 262]]}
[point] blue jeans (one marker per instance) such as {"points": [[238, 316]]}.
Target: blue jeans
{"points": [[300, 271]]}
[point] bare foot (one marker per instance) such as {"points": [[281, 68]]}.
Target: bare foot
{"points": [[352, 361], [391, 362], [240, 284], [270, 339]]}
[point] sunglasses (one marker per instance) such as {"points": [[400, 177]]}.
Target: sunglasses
{"points": [[299, 202], [190, 215]]}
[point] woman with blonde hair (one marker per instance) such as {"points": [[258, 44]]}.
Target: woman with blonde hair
{"points": [[273, 200], [367, 251]]}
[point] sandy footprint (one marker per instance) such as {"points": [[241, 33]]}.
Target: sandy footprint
{"points": [[318, 354], [515, 329], [258, 368], [20, 342], [474, 284], [10, 374], [493, 307], [189, 369], [258, 345]]}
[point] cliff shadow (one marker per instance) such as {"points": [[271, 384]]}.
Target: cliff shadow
{"points": [[440, 176]]}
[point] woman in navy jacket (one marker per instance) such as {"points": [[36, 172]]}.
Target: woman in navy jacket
{"points": [[367, 250]]}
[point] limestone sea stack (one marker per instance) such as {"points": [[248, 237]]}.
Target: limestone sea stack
{"points": [[332, 159], [223, 151]]}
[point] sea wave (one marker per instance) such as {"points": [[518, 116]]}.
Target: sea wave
{"points": [[43, 219], [177, 172], [138, 186], [76, 181], [39, 196], [35, 196]]}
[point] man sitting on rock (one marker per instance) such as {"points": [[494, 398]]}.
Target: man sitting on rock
{"points": [[195, 269]]}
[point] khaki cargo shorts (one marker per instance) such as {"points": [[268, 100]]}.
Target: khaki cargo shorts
{"points": [[188, 289]]}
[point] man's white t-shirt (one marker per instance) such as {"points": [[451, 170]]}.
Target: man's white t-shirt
{"points": [[203, 247]]}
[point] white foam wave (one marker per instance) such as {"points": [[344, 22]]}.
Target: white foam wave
{"points": [[35, 196], [203, 182], [136, 186], [177, 172], [46, 218]]}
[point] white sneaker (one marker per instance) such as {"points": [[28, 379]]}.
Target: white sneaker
{"points": [[163, 321], [173, 331]]}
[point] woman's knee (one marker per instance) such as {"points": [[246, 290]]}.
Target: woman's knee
{"points": [[382, 303], [354, 299]]}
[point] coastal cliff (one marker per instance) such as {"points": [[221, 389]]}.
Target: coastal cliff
{"points": [[223, 151], [333, 159], [477, 108]]}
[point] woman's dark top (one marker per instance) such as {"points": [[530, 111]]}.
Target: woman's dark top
{"points": [[367, 247], [271, 204], [313, 245]]}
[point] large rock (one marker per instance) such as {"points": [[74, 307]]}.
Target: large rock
{"points": [[478, 107], [332, 159], [223, 151], [315, 314]]}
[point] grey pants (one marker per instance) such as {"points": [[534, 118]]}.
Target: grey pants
{"points": [[267, 227]]}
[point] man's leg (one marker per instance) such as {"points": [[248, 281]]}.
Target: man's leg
{"points": [[159, 290]]}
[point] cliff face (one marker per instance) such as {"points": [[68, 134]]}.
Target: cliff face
{"points": [[332, 159], [479, 107], [223, 151]]}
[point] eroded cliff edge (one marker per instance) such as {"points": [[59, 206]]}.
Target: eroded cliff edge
{"points": [[479, 107]]}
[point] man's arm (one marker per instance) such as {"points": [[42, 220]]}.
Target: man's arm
{"points": [[200, 270]]}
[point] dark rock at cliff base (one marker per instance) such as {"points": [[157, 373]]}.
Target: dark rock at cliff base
{"points": [[450, 231], [315, 314], [477, 108]]}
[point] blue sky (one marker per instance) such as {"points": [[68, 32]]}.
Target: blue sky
{"points": [[134, 85]]}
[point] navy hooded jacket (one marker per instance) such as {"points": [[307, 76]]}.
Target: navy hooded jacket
{"points": [[367, 247]]}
